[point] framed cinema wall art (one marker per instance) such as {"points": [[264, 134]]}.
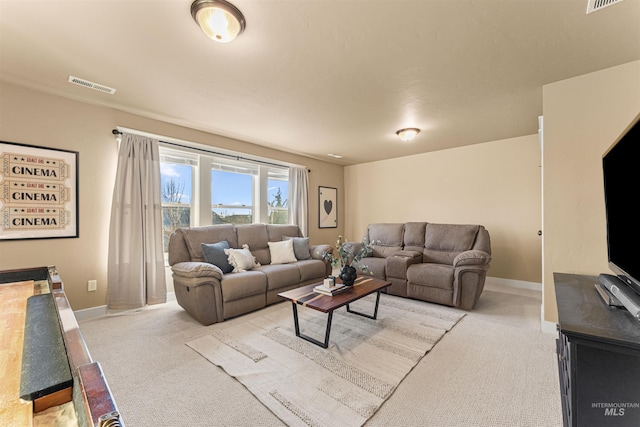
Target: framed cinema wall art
{"points": [[39, 192]]}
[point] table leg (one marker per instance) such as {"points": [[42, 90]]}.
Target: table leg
{"points": [[296, 324], [368, 316]]}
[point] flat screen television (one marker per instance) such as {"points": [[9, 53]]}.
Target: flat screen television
{"points": [[621, 173]]}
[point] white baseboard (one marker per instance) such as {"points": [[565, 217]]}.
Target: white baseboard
{"points": [[90, 313], [101, 310], [546, 326], [499, 284], [517, 286]]}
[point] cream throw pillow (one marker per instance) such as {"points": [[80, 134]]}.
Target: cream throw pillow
{"points": [[282, 252], [241, 259]]}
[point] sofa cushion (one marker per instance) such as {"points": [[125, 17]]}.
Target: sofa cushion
{"points": [[282, 252], [255, 235], [196, 236], [439, 257], [433, 275], [300, 247], [414, 234], [214, 254], [386, 239], [280, 275], [241, 259], [450, 237], [277, 232], [237, 286], [444, 242], [311, 269]]}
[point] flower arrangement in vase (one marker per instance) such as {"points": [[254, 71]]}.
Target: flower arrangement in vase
{"points": [[345, 258]]}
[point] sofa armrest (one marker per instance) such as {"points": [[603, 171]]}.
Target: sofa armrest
{"points": [[473, 257], [399, 262], [199, 291], [196, 270], [317, 251]]}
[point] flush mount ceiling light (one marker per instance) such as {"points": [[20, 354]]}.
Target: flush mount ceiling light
{"points": [[219, 20], [407, 134]]}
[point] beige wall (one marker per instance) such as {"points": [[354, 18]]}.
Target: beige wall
{"points": [[582, 117], [496, 184], [30, 117]]}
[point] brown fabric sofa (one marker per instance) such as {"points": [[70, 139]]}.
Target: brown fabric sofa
{"points": [[441, 263], [211, 296]]}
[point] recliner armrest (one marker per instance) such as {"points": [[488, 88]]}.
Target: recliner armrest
{"points": [[472, 257], [194, 269], [399, 262], [317, 251]]}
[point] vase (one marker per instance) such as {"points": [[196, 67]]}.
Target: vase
{"points": [[348, 275]]}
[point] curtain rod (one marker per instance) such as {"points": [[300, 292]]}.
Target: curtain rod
{"points": [[117, 132]]}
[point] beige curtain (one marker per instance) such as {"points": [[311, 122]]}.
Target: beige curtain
{"points": [[299, 198], [136, 261]]}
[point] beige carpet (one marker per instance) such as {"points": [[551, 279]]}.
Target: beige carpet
{"points": [[306, 385], [494, 368]]}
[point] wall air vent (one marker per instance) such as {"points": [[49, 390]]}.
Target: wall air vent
{"points": [[91, 85], [595, 5]]}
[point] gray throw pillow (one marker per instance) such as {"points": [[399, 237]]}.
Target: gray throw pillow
{"points": [[300, 247], [214, 254]]}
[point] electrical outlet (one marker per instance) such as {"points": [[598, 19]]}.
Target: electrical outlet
{"points": [[92, 285]]}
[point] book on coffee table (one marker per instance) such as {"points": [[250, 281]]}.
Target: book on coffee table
{"points": [[330, 290]]}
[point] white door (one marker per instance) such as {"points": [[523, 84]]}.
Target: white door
{"points": [[540, 232]]}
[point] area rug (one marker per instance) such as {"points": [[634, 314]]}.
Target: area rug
{"points": [[306, 385]]}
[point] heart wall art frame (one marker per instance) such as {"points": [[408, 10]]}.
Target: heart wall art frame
{"points": [[327, 207]]}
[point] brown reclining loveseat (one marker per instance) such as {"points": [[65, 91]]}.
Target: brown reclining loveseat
{"points": [[441, 263]]}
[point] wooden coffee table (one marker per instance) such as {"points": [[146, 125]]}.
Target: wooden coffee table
{"points": [[327, 304]]}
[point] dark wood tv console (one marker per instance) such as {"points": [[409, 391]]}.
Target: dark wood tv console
{"points": [[598, 356]]}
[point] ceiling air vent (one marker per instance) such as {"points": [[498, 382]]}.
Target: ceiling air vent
{"points": [[594, 5], [91, 85]]}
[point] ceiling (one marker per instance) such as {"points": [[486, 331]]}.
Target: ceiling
{"points": [[314, 77]]}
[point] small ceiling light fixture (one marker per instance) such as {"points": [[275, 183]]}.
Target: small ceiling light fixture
{"points": [[407, 134], [334, 155], [219, 20]]}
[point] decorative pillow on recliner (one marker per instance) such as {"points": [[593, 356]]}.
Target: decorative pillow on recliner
{"points": [[282, 252], [300, 247], [213, 253], [241, 259]]}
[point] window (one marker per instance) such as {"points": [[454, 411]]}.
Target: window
{"points": [[176, 183], [278, 193], [232, 190], [202, 188]]}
